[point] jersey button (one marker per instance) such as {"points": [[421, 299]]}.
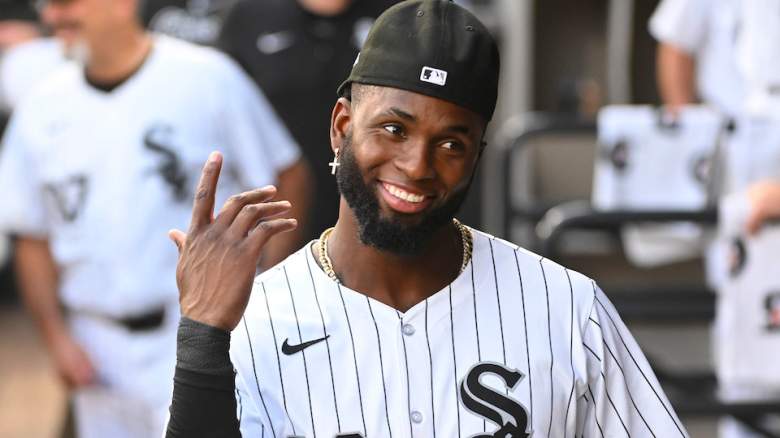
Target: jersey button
{"points": [[417, 417], [408, 329]]}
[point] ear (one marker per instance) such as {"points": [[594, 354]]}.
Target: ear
{"points": [[340, 122]]}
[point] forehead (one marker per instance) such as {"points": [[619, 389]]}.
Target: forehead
{"points": [[375, 101]]}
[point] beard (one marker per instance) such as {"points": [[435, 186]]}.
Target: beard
{"points": [[389, 233]]}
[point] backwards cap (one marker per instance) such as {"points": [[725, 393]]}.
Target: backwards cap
{"points": [[432, 47]]}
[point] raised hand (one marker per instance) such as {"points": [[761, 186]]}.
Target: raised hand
{"points": [[218, 256]]}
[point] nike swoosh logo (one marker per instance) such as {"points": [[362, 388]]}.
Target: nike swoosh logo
{"points": [[292, 349]]}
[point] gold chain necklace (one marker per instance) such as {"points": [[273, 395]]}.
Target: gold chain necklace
{"points": [[327, 265]]}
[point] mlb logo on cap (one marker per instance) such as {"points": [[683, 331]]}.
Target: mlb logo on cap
{"points": [[433, 75]]}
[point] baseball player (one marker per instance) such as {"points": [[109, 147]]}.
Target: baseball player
{"points": [[400, 321], [97, 164], [697, 53]]}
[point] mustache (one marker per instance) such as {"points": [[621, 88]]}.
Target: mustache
{"points": [[64, 26]]}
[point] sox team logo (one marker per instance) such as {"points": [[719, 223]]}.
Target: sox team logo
{"points": [[508, 414], [157, 140]]}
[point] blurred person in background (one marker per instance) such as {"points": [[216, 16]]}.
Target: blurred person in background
{"points": [[95, 168], [696, 53], [725, 53], [196, 21], [298, 52], [17, 23]]}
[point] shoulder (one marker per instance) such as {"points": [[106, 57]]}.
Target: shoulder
{"points": [[61, 87], [197, 60], [536, 276]]}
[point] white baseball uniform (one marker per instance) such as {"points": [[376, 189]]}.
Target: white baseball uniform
{"points": [[515, 345], [747, 325], [24, 65], [707, 29], [103, 176]]}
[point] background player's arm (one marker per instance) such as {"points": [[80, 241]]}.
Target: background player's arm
{"points": [[764, 198], [675, 73], [294, 184], [38, 279], [623, 396]]}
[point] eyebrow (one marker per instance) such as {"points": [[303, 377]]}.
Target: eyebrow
{"points": [[401, 113], [404, 115]]}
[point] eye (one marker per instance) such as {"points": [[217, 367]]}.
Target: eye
{"points": [[393, 129], [452, 145]]}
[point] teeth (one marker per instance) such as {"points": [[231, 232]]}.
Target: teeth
{"points": [[403, 194]]}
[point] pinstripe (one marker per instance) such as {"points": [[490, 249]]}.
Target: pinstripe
{"points": [[327, 343], [498, 300], [571, 346], [591, 351], [254, 370], [549, 337], [303, 353], [636, 364], [406, 367], [278, 360], [354, 358], [476, 326], [595, 408], [454, 359], [430, 361], [525, 328], [611, 403], [628, 389], [381, 366]]}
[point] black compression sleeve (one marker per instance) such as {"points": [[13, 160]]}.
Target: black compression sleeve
{"points": [[204, 402]]}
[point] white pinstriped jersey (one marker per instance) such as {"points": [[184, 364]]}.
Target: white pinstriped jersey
{"points": [[515, 346]]}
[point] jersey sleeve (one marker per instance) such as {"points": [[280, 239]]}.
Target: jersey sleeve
{"points": [[681, 23], [23, 211], [253, 132], [623, 396]]}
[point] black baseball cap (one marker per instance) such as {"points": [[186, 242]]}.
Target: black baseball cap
{"points": [[431, 47]]}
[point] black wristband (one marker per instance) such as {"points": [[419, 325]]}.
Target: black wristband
{"points": [[202, 348]]}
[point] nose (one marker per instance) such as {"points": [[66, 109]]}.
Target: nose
{"points": [[47, 12], [415, 161]]}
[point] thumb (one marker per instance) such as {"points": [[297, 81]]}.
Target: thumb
{"points": [[178, 237]]}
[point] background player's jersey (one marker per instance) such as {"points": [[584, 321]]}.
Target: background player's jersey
{"points": [[708, 30], [747, 327], [104, 176], [515, 346]]}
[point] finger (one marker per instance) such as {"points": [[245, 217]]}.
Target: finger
{"points": [[178, 238], [260, 234], [250, 214], [203, 205], [235, 203]]}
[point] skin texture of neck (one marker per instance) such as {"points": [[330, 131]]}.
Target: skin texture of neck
{"points": [[117, 56], [398, 281]]}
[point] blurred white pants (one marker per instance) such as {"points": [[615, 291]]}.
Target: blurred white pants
{"points": [[134, 378]]}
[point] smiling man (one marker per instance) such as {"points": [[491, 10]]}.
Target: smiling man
{"points": [[400, 321]]}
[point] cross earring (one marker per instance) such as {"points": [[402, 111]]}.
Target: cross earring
{"points": [[335, 163]]}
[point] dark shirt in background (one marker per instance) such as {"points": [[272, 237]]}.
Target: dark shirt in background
{"points": [[196, 21]]}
